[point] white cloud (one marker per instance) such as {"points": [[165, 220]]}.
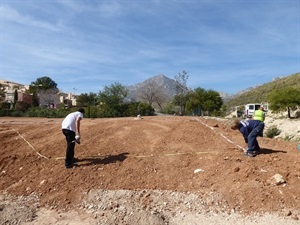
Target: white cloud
{"points": [[11, 15], [129, 41]]}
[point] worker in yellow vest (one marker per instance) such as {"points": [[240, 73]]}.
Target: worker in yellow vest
{"points": [[259, 114]]}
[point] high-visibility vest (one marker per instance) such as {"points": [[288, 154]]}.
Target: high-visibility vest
{"points": [[259, 115]]}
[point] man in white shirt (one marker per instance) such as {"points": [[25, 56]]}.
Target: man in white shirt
{"points": [[71, 129]]}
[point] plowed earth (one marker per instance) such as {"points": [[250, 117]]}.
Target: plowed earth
{"points": [[161, 167]]}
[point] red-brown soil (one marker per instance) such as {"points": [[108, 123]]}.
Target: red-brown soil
{"points": [[152, 153]]}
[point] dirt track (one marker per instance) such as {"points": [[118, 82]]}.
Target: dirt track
{"points": [[149, 159]]}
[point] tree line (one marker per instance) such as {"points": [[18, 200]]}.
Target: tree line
{"points": [[112, 101]]}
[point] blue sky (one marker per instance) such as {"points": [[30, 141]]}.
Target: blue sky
{"points": [[84, 45]]}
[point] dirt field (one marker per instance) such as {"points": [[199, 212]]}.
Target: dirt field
{"points": [[154, 170]]}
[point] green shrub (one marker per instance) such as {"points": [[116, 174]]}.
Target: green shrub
{"points": [[272, 132], [17, 113], [288, 137], [22, 106], [4, 112], [102, 111], [45, 112], [5, 106]]}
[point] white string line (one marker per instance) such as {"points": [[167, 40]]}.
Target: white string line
{"points": [[143, 156], [226, 138], [30, 145]]}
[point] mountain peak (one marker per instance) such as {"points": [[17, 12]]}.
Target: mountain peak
{"points": [[165, 84]]}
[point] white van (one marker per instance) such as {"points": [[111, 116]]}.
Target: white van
{"points": [[251, 107]]}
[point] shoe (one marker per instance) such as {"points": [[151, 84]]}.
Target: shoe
{"points": [[257, 152], [249, 154], [68, 166], [75, 160]]}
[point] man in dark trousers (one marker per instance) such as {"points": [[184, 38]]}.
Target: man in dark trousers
{"points": [[71, 129], [250, 129]]}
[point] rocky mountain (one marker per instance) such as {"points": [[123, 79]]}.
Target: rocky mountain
{"points": [[225, 96], [161, 83]]}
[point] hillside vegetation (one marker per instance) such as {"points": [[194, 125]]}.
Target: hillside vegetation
{"points": [[260, 93]]}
